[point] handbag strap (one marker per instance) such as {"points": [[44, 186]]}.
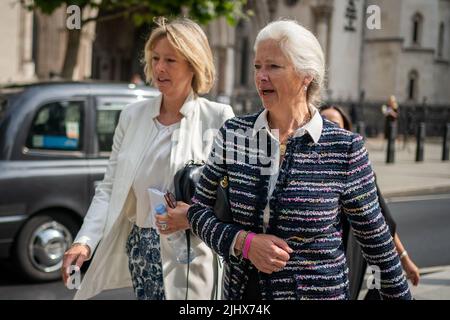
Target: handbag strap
{"points": [[188, 244], [178, 194]]}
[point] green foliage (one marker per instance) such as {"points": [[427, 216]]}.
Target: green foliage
{"points": [[48, 6], [143, 11]]}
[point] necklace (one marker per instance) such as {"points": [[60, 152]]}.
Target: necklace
{"points": [[283, 144], [282, 149]]}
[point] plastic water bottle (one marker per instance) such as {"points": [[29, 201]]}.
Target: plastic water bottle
{"points": [[177, 240]]}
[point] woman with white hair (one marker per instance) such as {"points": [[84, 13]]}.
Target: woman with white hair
{"points": [[153, 139], [290, 173]]}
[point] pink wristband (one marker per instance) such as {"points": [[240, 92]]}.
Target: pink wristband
{"points": [[248, 241]]}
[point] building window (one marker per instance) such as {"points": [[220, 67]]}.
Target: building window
{"points": [[290, 3], [245, 53], [417, 26], [440, 50], [413, 80]]}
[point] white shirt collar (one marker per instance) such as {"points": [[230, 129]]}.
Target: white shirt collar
{"points": [[313, 127]]}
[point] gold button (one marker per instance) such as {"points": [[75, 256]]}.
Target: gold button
{"points": [[224, 182]]}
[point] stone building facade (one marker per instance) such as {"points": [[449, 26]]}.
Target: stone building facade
{"points": [[408, 56]]}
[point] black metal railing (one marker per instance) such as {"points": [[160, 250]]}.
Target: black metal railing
{"points": [[369, 115]]}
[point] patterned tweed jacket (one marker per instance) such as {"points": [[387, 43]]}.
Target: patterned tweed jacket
{"points": [[318, 185]]}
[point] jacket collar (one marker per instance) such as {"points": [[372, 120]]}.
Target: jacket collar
{"points": [[186, 109], [313, 127]]}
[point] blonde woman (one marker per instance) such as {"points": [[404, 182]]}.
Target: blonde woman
{"points": [[153, 139]]}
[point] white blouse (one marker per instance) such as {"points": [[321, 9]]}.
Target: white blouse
{"points": [[154, 172]]}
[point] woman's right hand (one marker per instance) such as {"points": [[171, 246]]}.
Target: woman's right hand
{"points": [[412, 272], [269, 253], [75, 255]]}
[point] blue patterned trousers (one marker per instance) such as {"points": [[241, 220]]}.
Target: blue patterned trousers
{"points": [[144, 262]]}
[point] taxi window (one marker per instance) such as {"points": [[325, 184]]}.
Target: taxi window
{"points": [[57, 126], [108, 112]]}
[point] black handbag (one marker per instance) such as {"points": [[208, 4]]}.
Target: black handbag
{"points": [[186, 180]]}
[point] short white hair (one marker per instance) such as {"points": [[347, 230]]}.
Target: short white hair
{"points": [[302, 48]]}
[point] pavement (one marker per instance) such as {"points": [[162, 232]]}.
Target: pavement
{"points": [[406, 178], [434, 284]]}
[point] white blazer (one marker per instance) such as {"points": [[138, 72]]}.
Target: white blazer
{"points": [[107, 223]]}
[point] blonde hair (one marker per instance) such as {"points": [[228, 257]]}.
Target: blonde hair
{"points": [[190, 41], [303, 49]]}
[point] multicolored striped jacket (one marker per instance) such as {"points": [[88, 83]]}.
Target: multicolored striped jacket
{"points": [[318, 185]]}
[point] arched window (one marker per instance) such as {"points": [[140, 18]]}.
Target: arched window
{"points": [[417, 26], [440, 49], [413, 83]]}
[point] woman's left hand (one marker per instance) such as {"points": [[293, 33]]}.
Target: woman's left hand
{"points": [[269, 253], [412, 272], [175, 220]]}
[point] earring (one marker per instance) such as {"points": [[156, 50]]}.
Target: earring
{"points": [[306, 88]]}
